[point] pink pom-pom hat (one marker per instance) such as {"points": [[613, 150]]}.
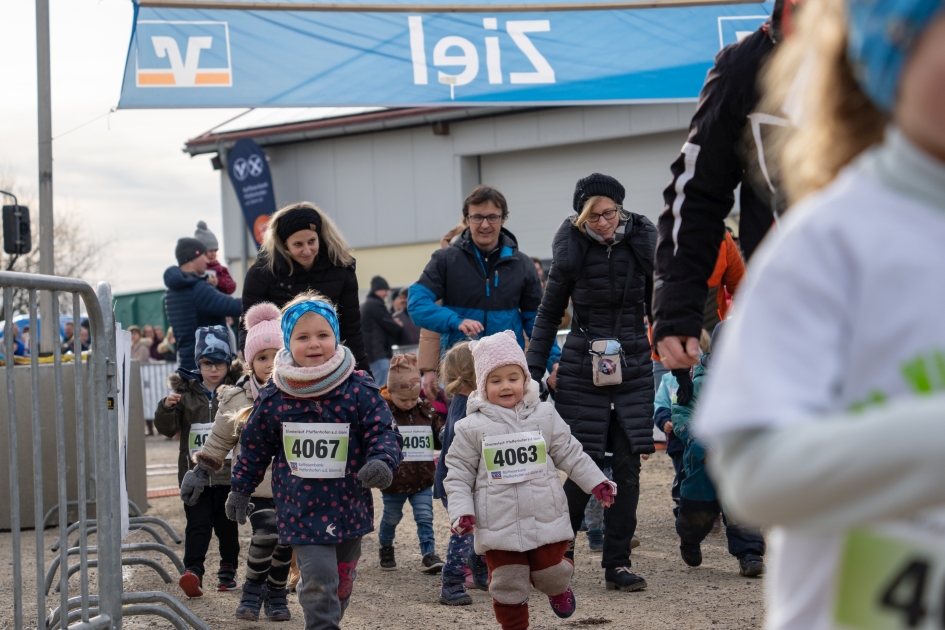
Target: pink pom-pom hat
{"points": [[495, 351], [263, 329]]}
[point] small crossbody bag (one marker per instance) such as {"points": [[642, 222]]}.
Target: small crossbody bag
{"points": [[607, 353]]}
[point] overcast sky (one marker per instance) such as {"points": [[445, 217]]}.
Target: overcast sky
{"points": [[125, 173]]}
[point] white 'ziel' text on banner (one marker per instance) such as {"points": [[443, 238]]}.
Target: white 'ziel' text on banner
{"points": [[237, 58]]}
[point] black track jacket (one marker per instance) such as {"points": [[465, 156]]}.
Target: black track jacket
{"points": [[712, 163]]}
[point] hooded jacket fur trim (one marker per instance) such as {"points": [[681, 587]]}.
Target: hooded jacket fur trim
{"points": [[193, 408], [227, 427], [521, 516]]}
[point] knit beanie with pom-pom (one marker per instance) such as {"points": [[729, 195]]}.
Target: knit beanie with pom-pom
{"points": [[493, 352], [263, 328]]}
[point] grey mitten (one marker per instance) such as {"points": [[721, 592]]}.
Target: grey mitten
{"points": [[238, 507], [193, 484], [375, 474]]}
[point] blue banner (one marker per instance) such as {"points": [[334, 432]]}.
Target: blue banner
{"points": [[249, 173], [236, 58]]}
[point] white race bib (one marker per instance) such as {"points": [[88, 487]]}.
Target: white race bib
{"points": [[418, 443], [316, 451], [198, 437], [893, 576], [514, 458]]}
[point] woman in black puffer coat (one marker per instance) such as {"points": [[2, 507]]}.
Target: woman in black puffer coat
{"points": [[303, 250], [593, 252]]}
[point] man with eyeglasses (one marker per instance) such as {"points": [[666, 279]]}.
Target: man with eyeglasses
{"points": [[485, 283]]}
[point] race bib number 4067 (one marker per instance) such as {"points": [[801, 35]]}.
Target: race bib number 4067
{"points": [[514, 458], [316, 451]]}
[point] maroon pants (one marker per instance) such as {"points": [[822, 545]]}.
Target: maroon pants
{"points": [[513, 573]]}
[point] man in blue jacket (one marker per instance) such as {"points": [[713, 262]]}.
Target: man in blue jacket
{"points": [[191, 301], [485, 283]]}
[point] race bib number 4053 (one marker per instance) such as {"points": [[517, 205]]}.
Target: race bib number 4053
{"points": [[418, 443], [316, 451], [514, 458], [892, 576]]}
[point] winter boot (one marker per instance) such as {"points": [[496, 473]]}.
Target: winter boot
{"points": [[277, 606], [191, 584], [595, 539], [431, 563], [623, 579], [564, 604], [751, 565], [388, 563], [251, 601], [691, 554], [455, 595], [226, 578], [480, 570]]}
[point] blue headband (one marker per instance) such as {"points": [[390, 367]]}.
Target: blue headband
{"points": [[291, 317], [882, 33]]}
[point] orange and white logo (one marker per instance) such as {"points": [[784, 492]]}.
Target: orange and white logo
{"points": [[182, 54]]}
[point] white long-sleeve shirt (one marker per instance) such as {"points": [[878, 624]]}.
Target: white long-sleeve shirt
{"points": [[825, 401]]}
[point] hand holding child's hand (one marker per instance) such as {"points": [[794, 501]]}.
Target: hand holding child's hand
{"points": [[464, 525], [238, 507], [171, 400], [605, 492]]}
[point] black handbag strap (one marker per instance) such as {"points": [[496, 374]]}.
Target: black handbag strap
{"points": [[631, 267]]}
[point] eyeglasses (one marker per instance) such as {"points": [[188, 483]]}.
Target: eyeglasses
{"points": [[212, 367], [493, 219], [606, 214]]}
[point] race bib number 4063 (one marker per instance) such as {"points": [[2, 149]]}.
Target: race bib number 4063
{"points": [[892, 576], [514, 458], [418, 443], [316, 451]]}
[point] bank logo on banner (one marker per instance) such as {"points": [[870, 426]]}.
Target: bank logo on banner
{"points": [[183, 54], [735, 28]]}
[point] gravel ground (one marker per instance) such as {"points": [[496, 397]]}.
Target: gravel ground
{"points": [[711, 596]]}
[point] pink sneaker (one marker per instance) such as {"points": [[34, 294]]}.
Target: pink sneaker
{"points": [[564, 604]]}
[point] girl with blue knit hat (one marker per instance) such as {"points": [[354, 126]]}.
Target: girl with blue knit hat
{"points": [[330, 438], [825, 410]]}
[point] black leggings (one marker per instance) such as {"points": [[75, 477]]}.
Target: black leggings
{"points": [[621, 517], [267, 559], [205, 518]]}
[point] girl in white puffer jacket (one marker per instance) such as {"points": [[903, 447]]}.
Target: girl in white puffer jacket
{"points": [[502, 480]]}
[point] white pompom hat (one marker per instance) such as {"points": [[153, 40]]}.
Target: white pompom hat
{"points": [[263, 329]]}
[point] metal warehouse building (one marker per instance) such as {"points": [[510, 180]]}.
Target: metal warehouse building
{"points": [[394, 180]]}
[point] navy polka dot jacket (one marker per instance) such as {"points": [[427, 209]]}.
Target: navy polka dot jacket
{"points": [[318, 511]]}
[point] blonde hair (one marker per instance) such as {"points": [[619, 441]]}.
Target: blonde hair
{"points": [[705, 341], [837, 121], [458, 370], [581, 221], [305, 296], [241, 416], [331, 242]]}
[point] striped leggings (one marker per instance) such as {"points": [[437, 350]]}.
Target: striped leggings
{"points": [[267, 560]]}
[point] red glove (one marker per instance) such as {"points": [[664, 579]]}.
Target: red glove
{"points": [[605, 492], [464, 525]]}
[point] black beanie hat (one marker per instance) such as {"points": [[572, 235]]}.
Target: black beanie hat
{"points": [[597, 184], [298, 220], [188, 249], [379, 284]]}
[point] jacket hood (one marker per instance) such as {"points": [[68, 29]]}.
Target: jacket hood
{"points": [[506, 239], [174, 278], [183, 380], [570, 244], [525, 408]]}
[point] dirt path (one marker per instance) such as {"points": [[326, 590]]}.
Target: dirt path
{"points": [[711, 596]]}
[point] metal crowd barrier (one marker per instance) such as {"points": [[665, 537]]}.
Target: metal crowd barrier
{"points": [[154, 385], [99, 487]]}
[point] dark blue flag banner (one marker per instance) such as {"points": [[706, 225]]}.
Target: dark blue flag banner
{"points": [[249, 174], [234, 57]]}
